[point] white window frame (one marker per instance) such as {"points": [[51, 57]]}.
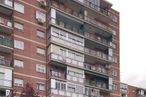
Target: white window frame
{"points": [[19, 82], [40, 34], [40, 86], [40, 68], [41, 15], [19, 7], [18, 63], [19, 44], [18, 26], [40, 51]]}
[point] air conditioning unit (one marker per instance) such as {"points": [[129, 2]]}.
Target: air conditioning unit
{"points": [[40, 21], [42, 3]]}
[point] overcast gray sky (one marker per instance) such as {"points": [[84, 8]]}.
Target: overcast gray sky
{"points": [[133, 38]]}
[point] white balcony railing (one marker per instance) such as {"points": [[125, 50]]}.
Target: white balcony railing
{"points": [[66, 60]]}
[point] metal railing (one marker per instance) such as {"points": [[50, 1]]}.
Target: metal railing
{"points": [[87, 18], [100, 85], [96, 38], [8, 3], [5, 62], [5, 22], [97, 69], [5, 42], [99, 54], [88, 3]]}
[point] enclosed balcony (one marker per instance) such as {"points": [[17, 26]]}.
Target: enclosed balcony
{"points": [[5, 25], [66, 39], [65, 56], [5, 80], [6, 7], [91, 92], [6, 44], [53, 58]]}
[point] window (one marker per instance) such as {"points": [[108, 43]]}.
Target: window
{"points": [[115, 87], [18, 63], [40, 16], [2, 75], [8, 2], [71, 88], [63, 52], [114, 72], [19, 7], [18, 26], [114, 18], [18, 82], [19, 44], [41, 51], [40, 68], [60, 85], [40, 86], [40, 34]]}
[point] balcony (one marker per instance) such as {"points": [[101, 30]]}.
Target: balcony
{"points": [[6, 7], [74, 28], [57, 73], [5, 83], [66, 43], [97, 39], [95, 54], [65, 60], [96, 69], [94, 21], [4, 62], [5, 45], [102, 11], [97, 85], [91, 92], [6, 25]]}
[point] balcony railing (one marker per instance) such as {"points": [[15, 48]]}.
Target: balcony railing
{"points": [[5, 62], [5, 82], [100, 55], [83, 17], [5, 22], [5, 42], [96, 69], [67, 42], [97, 38], [66, 60], [8, 3], [101, 85]]}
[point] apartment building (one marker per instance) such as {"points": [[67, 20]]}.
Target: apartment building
{"points": [[132, 91], [63, 48]]}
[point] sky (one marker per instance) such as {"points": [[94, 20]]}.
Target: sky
{"points": [[132, 41]]}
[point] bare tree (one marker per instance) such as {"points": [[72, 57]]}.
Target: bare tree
{"points": [[28, 91]]}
